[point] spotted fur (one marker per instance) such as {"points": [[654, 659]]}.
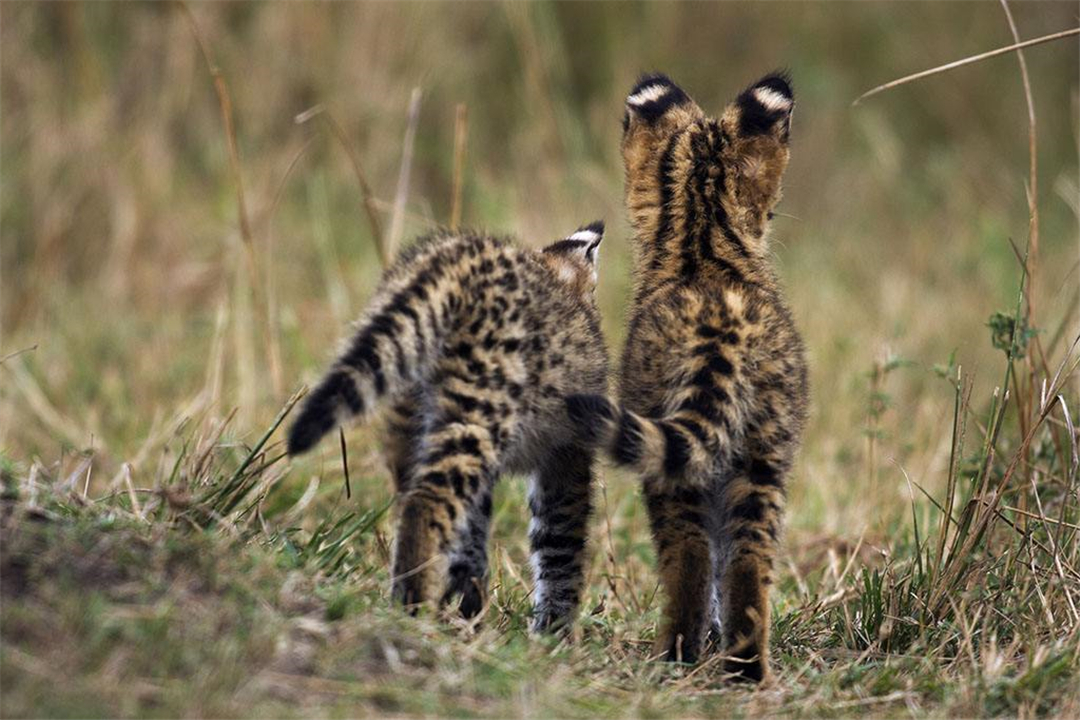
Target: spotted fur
{"points": [[713, 380], [476, 343]]}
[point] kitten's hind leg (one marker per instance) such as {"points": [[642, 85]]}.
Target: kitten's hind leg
{"points": [[680, 523], [458, 463], [401, 437], [753, 512], [560, 500], [468, 571]]}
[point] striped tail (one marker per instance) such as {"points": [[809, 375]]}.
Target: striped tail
{"points": [[392, 348], [680, 448]]}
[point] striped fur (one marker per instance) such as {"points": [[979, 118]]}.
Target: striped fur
{"points": [[475, 344], [713, 381]]}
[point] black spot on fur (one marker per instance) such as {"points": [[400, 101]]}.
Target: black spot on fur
{"points": [[555, 541], [693, 428], [693, 517], [761, 473], [363, 357], [663, 227], [750, 509], [703, 404], [720, 364]]}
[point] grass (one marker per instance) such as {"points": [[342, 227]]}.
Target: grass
{"points": [[206, 595], [159, 556]]}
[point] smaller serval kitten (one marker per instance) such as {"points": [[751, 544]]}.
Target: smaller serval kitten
{"points": [[713, 380], [477, 343]]}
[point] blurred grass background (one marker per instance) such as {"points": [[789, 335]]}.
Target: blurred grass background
{"points": [[121, 248], [123, 262]]}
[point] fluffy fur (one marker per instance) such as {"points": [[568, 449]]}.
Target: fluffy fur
{"points": [[476, 343], [713, 380]]}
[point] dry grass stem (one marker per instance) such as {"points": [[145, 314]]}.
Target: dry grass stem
{"points": [[225, 103], [366, 194], [17, 353], [44, 410], [966, 61], [461, 136], [401, 196], [244, 344], [1033, 176], [273, 330], [345, 464]]}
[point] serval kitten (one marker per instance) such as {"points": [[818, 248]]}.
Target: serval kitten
{"points": [[476, 343], [713, 381]]}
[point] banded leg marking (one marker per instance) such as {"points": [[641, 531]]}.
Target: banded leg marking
{"points": [[456, 470], [681, 521], [753, 514], [560, 500]]}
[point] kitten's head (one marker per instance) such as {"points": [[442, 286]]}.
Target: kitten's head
{"points": [[574, 258], [730, 165]]}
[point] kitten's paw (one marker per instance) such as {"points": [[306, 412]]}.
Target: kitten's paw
{"points": [[551, 621], [747, 666]]}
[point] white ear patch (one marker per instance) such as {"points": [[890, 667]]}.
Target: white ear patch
{"points": [[772, 100], [585, 235], [647, 94]]}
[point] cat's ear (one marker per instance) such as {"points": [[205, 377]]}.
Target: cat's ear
{"points": [[588, 238], [655, 97], [765, 107], [757, 125], [581, 247]]}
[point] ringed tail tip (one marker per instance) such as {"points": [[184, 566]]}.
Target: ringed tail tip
{"points": [[307, 430], [319, 414]]}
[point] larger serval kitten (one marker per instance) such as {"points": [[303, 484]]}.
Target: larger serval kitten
{"points": [[477, 343], [713, 382]]}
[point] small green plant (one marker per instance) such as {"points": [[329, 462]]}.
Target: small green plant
{"points": [[879, 401], [331, 547], [1011, 334]]}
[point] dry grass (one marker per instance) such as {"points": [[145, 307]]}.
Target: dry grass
{"points": [[160, 555]]}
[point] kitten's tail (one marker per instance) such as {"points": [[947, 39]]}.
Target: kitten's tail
{"points": [[393, 346], [680, 448]]}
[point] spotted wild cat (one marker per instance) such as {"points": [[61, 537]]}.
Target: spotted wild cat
{"points": [[713, 380], [476, 343]]}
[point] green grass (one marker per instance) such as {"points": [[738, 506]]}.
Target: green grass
{"points": [[214, 595], [159, 557]]}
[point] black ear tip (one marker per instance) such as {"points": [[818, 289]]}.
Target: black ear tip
{"points": [[650, 79], [778, 81], [596, 226], [652, 96]]}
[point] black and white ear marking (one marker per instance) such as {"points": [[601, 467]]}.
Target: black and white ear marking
{"points": [[588, 237], [765, 104], [580, 248], [651, 97]]}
